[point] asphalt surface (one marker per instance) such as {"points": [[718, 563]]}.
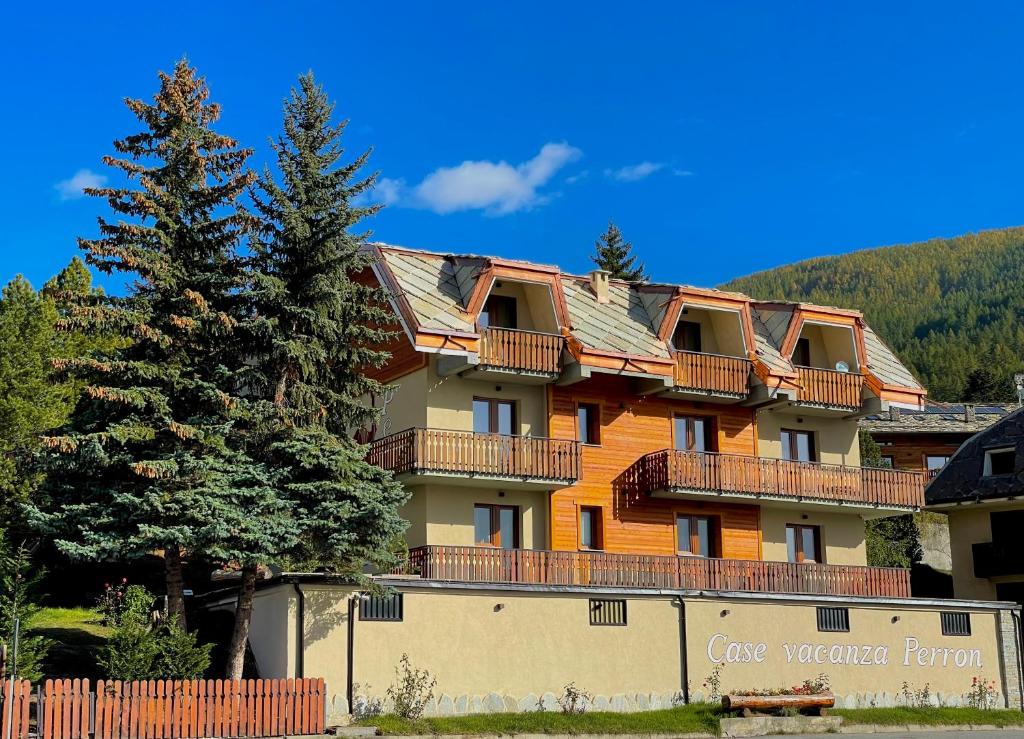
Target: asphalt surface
{"points": [[982, 734]]}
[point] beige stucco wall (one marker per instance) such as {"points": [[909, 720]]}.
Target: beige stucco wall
{"points": [[449, 402], [408, 406], [830, 344], [443, 514], [835, 438], [778, 625], [967, 526], [518, 643], [842, 534]]}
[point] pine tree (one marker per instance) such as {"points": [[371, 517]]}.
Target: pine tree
{"points": [[150, 460], [313, 341], [985, 386], [613, 254]]}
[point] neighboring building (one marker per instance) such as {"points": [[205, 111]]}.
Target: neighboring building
{"points": [[624, 485], [981, 490], [923, 440]]}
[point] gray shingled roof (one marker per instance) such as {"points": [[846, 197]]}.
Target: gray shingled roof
{"points": [[620, 325], [766, 347], [436, 291], [962, 478], [937, 418], [883, 363]]}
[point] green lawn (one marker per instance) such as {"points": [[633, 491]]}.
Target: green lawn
{"points": [[77, 637], [698, 717], [929, 716]]}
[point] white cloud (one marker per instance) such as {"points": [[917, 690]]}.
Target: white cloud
{"points": [[634, 172], [572, 180], [72, 188], [682, 172], [497, 188]]}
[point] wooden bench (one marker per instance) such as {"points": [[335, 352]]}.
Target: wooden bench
{"points": [[816, 705]]}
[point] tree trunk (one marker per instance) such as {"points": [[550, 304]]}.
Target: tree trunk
{"points": [[175, 586], [243, 617]]}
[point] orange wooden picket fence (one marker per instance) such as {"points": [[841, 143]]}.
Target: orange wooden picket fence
{"points": [[22, 701], [171, 709]]}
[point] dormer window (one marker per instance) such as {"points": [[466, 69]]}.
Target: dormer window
{"points": [[1000, 461], [500, 311], [687, 336]]}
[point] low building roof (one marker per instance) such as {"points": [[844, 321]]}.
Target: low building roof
{"points": [[938, 418]]}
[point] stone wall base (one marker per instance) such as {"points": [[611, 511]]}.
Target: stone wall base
{"points": [[765, 725]]}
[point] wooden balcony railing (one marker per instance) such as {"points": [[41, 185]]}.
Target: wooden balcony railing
{"points": [[467, 453], [830, 388], [521, 351], [599, 569], [712, 373], [672, 469]]}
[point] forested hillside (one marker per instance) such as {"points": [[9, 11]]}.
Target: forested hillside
{"points": [[946, 306]]}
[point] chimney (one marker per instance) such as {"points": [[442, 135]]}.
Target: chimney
{"points": [[894, 413], [599, 280], [969, 412]]}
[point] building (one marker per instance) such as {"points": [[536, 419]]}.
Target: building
{"points": [[923, 440], [980, 491], [631, 487]]}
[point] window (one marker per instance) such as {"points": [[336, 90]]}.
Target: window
{"points": [[591, 531], [694, 434], [797, 446], [889, 461], [499, 312], [496, 526], [802, 353], [605, 612], [492, 416], [804, 543], [1000, 461], [588, 417], [1006, 526], [935, 461], [696, 535], [687, 336], [833, 619], [381, 607], [955, 624]]}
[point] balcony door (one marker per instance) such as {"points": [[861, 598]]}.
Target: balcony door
{"points": [[696, 536], [492, 416], [496, 526], [687, 337], [803, 543], [501, 454], [694, 433], [798, 446], [500, 311]]}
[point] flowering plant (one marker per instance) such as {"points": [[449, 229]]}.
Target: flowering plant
{"points": [[814, 686], [983, 693]]}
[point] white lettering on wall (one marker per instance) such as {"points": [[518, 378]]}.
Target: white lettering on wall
{"points": [[723, 650]]}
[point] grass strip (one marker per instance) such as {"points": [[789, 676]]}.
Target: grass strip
{"points": [[694, 718]]}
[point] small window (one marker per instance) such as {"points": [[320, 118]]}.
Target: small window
{"points": [[802, 353], [687, 336], [797, 446], [588, 417], [804, 543], [694, 433], [381, 607], [604, 612], [496, 526], [499, 312], [1000, 462], [833, 619], [492, 416], [955, 624], [935, 461], [591, 528]]}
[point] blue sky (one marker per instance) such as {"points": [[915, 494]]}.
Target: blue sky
{"points": [[723, 138]]}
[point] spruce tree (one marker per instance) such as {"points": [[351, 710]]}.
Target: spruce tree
{"points": [[613, 253], [151, 460], [315, 333]]}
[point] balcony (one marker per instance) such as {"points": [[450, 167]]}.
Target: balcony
{"points": [[674, 473], [510, 351], [461, 457], [998, 559], [599, 569], [830, 391], [711, 376]]}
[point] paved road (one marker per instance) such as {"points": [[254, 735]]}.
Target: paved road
{"points": [[987, 734]]}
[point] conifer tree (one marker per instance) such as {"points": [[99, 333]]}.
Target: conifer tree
{"points": [[150, 460], [613, 253], [314, 337], [19, 584]]}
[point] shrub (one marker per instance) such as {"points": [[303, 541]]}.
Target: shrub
{"points": [[574, 701], [913, 698], [412, 691], [713, 683], [180, 657], [983, 694]]}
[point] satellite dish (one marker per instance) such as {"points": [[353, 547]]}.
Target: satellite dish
{"points": [[842, 367]]}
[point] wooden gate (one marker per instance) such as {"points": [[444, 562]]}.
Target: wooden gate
{"points": [[20, 706]]}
